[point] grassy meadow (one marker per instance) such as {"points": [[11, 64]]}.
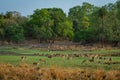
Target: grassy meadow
{"points": [[33, 55], [57, 67]]}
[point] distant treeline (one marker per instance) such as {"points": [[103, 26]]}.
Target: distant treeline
{"points": [[85, 24]]}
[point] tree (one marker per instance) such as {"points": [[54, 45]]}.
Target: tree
{"points": [[43, 24], [14, 33], [51, 23], [80, 15], [102, 13], [2, 22], [65, 30], [58, 17], [118, 8]]}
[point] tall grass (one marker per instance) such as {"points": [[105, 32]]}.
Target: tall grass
{"points": [[27, 72]]}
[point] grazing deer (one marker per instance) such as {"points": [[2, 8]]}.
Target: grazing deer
{"points": [[84, 55], [63, 56], [77, 55], [42, 60], [50, 56], [36, 63], [87, 60], [100, 57], [23, 59], [91, 60], [69, 57], [96, 56], [84, 61]]}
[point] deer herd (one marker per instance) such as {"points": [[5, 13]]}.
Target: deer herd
{"points": [[86, 58], [97, 59]]}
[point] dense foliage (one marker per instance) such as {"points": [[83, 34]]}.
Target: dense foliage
{"points": [[85, 24]]}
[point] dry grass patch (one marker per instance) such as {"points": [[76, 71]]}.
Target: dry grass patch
{"points": [[27, 72]]}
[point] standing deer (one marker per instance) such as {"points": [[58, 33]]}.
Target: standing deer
{"points": [[110, 60]]}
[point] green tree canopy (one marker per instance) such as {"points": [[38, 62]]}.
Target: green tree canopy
{"points": [[14, 33]]}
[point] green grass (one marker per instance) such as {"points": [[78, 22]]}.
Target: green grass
{"points": [[21, 50], [57, 61], [9, 59], [32, 51]]}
